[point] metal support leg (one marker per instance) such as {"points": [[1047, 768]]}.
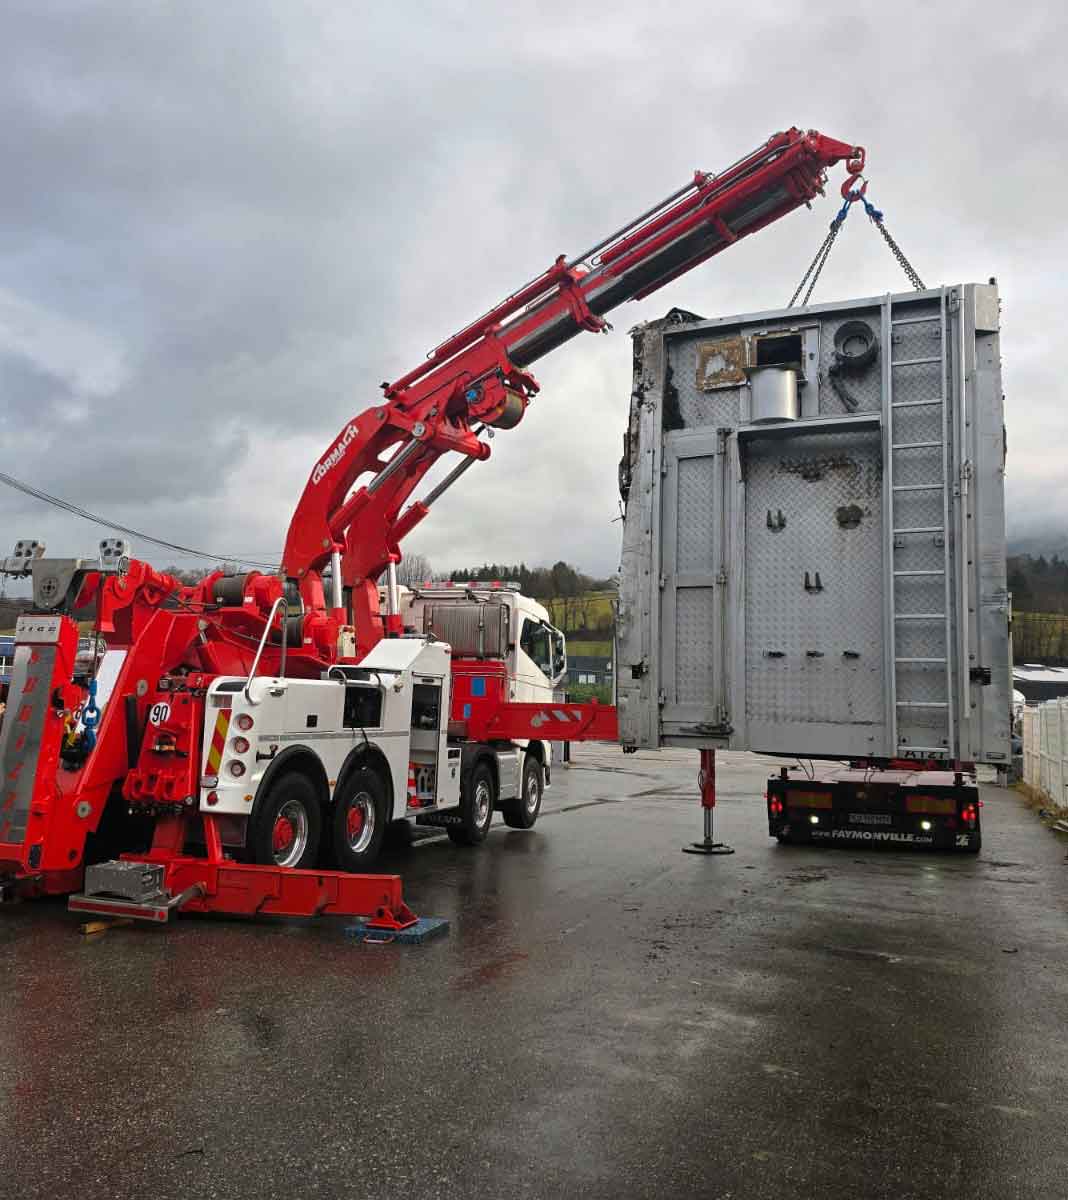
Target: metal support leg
{"points": [[707, 782]]}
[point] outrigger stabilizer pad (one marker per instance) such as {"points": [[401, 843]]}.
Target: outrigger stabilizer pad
{"points": [[708, 847], [423, 930]]}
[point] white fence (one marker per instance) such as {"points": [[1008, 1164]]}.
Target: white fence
{"points": [[1045, 749]]}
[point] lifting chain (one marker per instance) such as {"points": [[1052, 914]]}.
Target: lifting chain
{"points": [[851, 195], [896, 250]]}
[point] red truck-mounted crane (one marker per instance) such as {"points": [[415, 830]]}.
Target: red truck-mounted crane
{"points": [[289, 738]]}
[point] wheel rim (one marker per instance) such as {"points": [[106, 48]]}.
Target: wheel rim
{"points": [[360, 822], [289, 837], [533, 791], [483, 802]]}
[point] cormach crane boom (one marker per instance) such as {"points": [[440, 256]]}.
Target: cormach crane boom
{"points": [[480, 375]]}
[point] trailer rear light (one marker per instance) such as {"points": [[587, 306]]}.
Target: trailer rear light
{"points": [[244, 722], [802, 799], [969, 814], [941, 805], [213, 798], [813, 819], [240, 745], [926, 826], [237, 769], [776, 807]]}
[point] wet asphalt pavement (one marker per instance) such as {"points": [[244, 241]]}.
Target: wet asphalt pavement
{"points": [[607, 1018]]}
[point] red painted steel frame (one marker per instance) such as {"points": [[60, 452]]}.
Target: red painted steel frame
{"points": [[550, 722]]}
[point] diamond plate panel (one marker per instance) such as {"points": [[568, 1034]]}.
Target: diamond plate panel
{"points": [[917, 466], [864, 386], [695, 408], [922, 381], [815, 655], [921, 681], [918, 424], [695, 550], [918, 552], [920, 639], [695, 673], [917, 509], [919, 594], [922, 339]]}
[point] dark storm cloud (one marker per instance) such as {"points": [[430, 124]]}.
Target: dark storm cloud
{"points": [[223, 225]]}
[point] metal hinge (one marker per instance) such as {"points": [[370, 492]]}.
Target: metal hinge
{"points": [[663, 582], [954, 301], [721, 576], [661, 697], [965, 476]]}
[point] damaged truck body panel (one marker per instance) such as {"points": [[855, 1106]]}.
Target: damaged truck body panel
{"points": [[813, 547]]}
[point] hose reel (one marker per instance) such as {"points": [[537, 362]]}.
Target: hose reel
{"points": [[856, 347]]}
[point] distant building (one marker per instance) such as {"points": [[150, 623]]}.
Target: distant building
{"points": [[1039, 682], [589, 670], [7, 655]]}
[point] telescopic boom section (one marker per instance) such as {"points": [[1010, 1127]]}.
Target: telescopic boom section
{"points": [[480, 376]]}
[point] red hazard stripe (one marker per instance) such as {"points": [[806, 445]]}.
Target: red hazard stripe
{"points": [[218, 741]]}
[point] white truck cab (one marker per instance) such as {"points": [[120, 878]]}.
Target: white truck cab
{"points": [[310, 772]]}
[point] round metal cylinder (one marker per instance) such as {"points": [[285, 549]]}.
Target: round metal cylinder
{"points": [[774, 395]]}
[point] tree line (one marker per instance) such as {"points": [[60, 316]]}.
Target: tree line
{"points": [[1038, 585], [542, 583]]}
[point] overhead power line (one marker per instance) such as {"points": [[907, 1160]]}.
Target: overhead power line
{"points": [[37, 494]]}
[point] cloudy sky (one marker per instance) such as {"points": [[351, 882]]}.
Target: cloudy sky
{"points": [[223, 224]]}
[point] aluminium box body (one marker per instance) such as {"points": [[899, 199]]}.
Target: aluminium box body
{"points": [[814, 545]]}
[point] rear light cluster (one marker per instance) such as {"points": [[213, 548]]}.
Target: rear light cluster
{"points": [[240, 745], [969, 814], [776, 806]]}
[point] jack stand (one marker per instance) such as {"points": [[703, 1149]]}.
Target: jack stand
{"points": [[707, 781]]}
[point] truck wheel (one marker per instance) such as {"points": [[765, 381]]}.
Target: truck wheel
{"points": [[286, 830], [359, 825], [476, 808], [522, 812]]}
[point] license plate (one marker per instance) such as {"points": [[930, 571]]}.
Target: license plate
{"points": [[870, 819]]}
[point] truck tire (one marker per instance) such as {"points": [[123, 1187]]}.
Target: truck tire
{"points": [[360, 819], [477, 802], [287, 828], [522, 812]]}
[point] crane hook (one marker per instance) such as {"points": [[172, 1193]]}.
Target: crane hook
{"points": [[848, 191]]}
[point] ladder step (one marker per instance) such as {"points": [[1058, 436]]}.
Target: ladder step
{"points": [[934, 751], [939, 572], [914, 445], [918, 487], [915, 403], [915, 362], [922, 704], [919, 616], [921, 529], [919, 660], [914, 320]]}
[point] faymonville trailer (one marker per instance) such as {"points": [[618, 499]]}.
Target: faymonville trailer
{"points": [[814, 556]]}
